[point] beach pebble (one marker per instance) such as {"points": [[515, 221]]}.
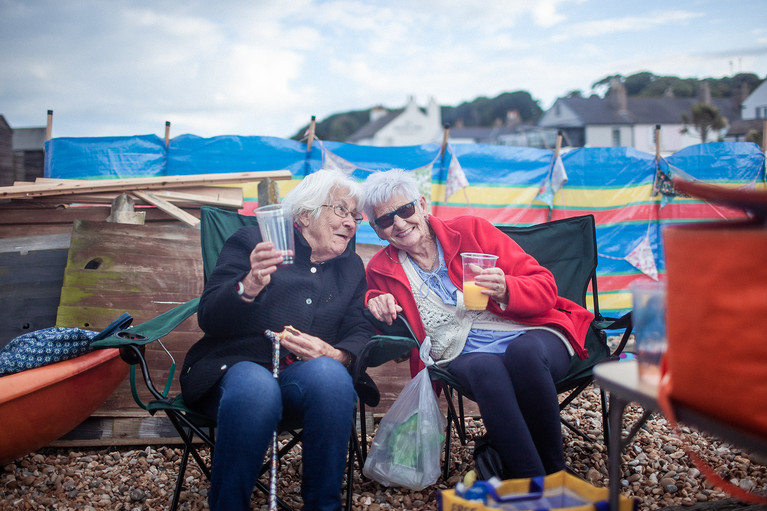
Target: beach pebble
{"points": [[655, 470]]}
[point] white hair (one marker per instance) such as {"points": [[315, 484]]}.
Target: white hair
{"points": [[381, 187], [315, 189]]}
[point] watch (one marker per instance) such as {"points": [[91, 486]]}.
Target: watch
{"points": [[241, 292]]}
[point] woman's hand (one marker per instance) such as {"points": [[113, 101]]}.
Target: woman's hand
{"points": [[384, 308], [495, 281], [263, 262], [306, 347]]}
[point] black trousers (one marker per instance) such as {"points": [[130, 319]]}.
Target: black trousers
{"points": [[517, 398]]}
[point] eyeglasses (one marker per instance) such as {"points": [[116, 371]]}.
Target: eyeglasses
{"points": [[343, 212], [387, 220]]}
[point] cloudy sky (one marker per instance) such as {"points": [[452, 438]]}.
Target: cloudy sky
{"points": [[260, 67]]}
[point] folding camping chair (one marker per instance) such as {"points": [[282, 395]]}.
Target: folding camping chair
{"points": [[568, 248], [216, 227]]}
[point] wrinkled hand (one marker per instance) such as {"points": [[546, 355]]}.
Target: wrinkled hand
{"points": [[494, 280], [263, 262], [306, 347], [384, 308]]}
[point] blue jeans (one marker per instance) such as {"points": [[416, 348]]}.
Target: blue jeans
{"points": [[517, 398], [249, 405]]}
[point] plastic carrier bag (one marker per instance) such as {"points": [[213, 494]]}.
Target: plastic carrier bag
{"points": [[407, 446]]}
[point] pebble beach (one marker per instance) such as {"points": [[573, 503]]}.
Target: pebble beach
{"points": [[655, 470]]}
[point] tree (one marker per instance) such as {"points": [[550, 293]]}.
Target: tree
{"points": [[754, 136], [636, 83], [705, 118]]}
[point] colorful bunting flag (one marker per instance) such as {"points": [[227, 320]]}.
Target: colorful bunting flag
{"points": [[422, 176], [663, 184], [335, 162], [456, 178], [643, 259], [556, 178]]}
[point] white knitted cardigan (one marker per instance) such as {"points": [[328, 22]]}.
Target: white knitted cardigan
{"points": [[449, 325]]}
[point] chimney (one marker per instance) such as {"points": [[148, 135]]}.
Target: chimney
{"points": [[704, 95], [617, 97], [377, 112], [512, 117]]}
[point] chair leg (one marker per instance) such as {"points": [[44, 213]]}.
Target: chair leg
{"points": [[446, 462], [605, 417], [180, 477], [363, 434], [462, 416], [353, 451]]}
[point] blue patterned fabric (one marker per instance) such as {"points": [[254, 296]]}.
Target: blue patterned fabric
{"points": [[43, 347]]}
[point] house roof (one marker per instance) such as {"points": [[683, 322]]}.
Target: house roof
{"points": [[486, 132], [595, 110], [742, 127], [371, 128], [28, 139]]}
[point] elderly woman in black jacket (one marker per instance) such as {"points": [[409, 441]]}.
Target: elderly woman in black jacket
{"points": [[227, 374]]}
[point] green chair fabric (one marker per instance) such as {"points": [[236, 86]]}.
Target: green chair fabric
{"points": [[568, 249], [216, 226]]}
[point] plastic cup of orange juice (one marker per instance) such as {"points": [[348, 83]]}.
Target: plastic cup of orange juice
{"points": [[473, 264]]}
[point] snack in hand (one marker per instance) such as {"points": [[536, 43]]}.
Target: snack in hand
{"points": [[288, 329]]}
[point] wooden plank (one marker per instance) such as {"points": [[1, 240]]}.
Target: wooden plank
{"points": [[26, 244], [233, 199], [167, 207], [31, 274], [228, 197], [145, 183]]}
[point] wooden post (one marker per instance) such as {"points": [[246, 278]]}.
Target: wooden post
{"points": [[312, 126], [167, 133], [558, 145], [445, 136], [268, 192], [657, 142], [764, 136], [49, 126]]}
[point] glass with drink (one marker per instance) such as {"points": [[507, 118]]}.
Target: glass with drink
{"points": [[649, 318], [473, 264]]}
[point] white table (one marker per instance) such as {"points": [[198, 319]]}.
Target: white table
{"points": [[620, 379]]}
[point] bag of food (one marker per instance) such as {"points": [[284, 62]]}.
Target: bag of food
{"points": [[407, 446]]}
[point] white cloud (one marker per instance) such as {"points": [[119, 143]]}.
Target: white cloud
{"points": [[607, 26], [265, 66]]}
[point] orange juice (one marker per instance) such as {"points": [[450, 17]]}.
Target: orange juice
{"points": [[472, 296]]}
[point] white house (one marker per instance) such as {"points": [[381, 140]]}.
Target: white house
{"points": [[755, 105], [753, 115], [403, 127], [618, 120]]}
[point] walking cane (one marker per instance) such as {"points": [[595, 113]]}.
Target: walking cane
{"points": [[276, 373]]}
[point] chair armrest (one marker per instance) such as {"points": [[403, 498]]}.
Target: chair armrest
{"points": [[151, 330], [623, 323], [606, 323]]}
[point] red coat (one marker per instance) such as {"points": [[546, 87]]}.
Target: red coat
{"points": [[533, 296]]}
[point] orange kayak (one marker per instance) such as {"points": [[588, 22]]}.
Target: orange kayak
{"points": [[39, 405]]}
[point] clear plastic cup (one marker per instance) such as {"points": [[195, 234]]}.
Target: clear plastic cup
{"points": [[276, 225], [649, 318], [473, 264]]}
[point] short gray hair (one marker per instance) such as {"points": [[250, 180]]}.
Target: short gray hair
{"points": [[315, 189], [380, 187]]}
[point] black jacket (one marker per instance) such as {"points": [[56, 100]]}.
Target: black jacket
{"points": [[325, 300]]}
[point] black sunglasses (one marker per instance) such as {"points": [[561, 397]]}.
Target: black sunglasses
{"points": [[387, 220]]}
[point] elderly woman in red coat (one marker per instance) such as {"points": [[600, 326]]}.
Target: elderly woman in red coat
{"points": [[509, 355]]}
